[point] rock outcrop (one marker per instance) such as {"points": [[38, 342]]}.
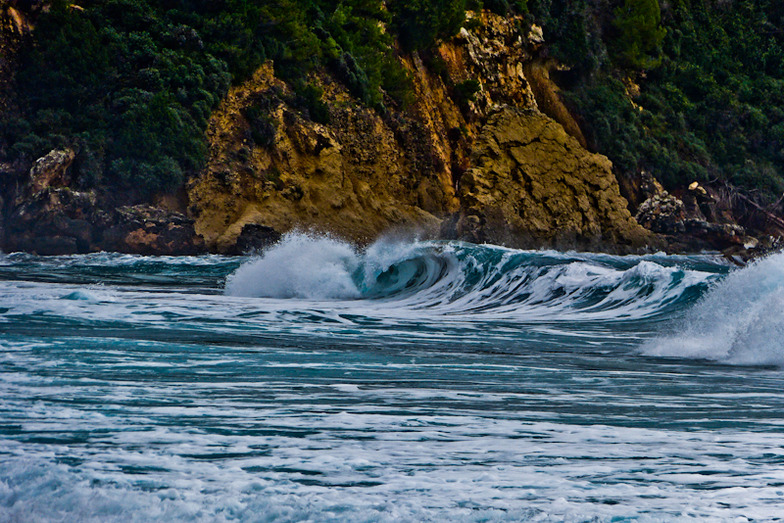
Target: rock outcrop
{"points": [[64, 221], [354, 178], [533, 185], [51, 170], [144, 229], [53, 221], [49, 217], [494, 53], [489, 168], [693, 222]]}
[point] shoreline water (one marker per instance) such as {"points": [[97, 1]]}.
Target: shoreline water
{"points": [[405, 381]]}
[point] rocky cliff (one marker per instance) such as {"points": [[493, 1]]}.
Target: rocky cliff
{"points": [[533, 185], [484, 167], [486, 151]]}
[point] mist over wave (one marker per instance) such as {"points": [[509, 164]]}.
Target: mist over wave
{"points": [[300, 266], [460, 278], [739, 321]]}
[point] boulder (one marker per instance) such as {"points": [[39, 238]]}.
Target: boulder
{"points": [[51, 170], [253, 238], [662, 213], [53, 221], [533, 185]]}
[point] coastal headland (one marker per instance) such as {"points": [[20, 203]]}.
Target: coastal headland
{"points": [[485, 148]]}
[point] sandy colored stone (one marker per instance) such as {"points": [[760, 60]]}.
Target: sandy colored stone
{"points": [[533, 185], [354, 178], [496, 170]]}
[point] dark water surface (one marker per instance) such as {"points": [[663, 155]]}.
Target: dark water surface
{"points": [[410, 382]]}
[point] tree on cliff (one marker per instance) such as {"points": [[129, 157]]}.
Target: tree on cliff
{"points": [[419, 23], [640, 33]]}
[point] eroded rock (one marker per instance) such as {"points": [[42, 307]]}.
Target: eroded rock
{"points": [[54, 221], [533, 185], [144, 229], [52, 170], [689, 223], [662, 213], [355, 178], [63, 221]]}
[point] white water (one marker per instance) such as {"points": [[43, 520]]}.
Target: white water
{"points": [[740, 320], [421, 381], [454, 279], [300, 266]]}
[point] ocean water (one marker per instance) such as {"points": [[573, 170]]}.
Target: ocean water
{"points": [[410, 381]]}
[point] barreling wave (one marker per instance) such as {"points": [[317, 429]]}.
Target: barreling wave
{"points": [[461, 278], [740, 321]]}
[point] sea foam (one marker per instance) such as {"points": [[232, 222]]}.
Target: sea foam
{"points": [[739, 321], [300, 266]]}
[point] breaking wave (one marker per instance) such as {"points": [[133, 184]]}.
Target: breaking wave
{"points": [[739, 321], [461, 278]]}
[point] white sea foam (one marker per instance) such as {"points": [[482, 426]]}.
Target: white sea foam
{"points": [[739, 321], [425, 468], [300, 266]]}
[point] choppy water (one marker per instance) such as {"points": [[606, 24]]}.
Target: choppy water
{"points": [[409, 382]]}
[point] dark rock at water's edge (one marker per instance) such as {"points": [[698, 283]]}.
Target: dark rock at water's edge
{"points": [[64, 221], [48, 217], [254, 238], [144, 229], [702, 219], [53, 221]]}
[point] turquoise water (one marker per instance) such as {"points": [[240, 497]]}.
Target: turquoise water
{"points": [[412, 381]]}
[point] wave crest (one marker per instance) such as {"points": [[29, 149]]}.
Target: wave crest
{"points": [[739, 321], [299, 266], [459, 278]]}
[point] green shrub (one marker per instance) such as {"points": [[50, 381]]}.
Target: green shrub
{"points": [[640, 36], [131, 83], [465, 92], [420, 23]]}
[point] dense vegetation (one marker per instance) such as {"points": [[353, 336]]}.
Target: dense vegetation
{"points": [[689, 90], [710, 76], [131, 83]]}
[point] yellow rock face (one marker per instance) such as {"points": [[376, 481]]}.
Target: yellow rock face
{"points": [[533, 185], [355, 178], [495, 169]]}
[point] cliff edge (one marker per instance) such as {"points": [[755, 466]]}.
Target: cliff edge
{"points": [[487, 166]]}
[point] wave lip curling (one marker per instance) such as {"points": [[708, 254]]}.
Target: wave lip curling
{"points": [[468, 281]]}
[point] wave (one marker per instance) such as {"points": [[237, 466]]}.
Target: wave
{"points": [[739, 321], [461, 278], [300, 266]]}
